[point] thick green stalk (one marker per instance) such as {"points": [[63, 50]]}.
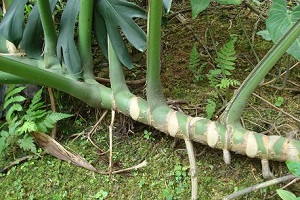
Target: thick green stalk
{"points": [[49, 33], [84, 38], [155, 96], [238, 102], [88, 93], [117, 79]]}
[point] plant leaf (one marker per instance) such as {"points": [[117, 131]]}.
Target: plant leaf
{"points": [[280, 20], [119, 14], [15, 99], [265, 35], [11, 110], [294, 167], [66, 48], [198, 6], [286, 195], [32, 41], [167, 5], [11, 26], [27, 143]]}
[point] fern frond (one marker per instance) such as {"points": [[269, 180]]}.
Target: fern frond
{"points": [[11, 110], [194, 65], [27, 143], [194, 60], [225, 57], [226, 83], [27, 127], [49, 120], [36, 98], [14, 99], [12, 90]]}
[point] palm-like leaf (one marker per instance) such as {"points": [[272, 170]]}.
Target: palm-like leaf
{"points": [[109, 16], [12, 24]]}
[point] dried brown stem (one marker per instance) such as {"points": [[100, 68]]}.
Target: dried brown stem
{"points": [[53, 108]]}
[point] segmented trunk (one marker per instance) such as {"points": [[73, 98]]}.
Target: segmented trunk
{"points": [[213, 134]]}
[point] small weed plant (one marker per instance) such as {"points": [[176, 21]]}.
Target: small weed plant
{"points": [[15, 131], [220, 77], [179, 183]]}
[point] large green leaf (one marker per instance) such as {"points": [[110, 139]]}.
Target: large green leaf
{"points": [[119, 14], [11, 26], [66, 48], [100, 31], [280, 20], [32, 41]]}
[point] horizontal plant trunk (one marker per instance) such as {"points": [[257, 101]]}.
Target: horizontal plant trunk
{"points": [[202, 130]]}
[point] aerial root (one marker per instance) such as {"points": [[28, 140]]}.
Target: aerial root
{"points": [[266, 172], [193, 168], [111, 126]]}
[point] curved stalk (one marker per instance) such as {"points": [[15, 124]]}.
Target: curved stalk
{"points": [[155, 96], [84, 38], [88, 93], [117, 80], [49, 33], [238, 102]]}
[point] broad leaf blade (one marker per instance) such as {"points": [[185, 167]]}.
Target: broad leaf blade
{"points": [[32, 41], [100, 31], [119, 14], [286, 195], [280, 20], [66, 48], [198, 6], [294, 167], [11, 26]]}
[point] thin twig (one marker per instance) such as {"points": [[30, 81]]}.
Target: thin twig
{"points": [[111, 141], [53, 108], [94, 129], [260, 186], [280, 74], [285, 186], [255, 10], [280, 110], [16, 162]]}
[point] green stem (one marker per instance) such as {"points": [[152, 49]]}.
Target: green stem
{"points": [[84, 38], [88, 93], [238, 102], [155, 96], [49, 33], [117, 80]]}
